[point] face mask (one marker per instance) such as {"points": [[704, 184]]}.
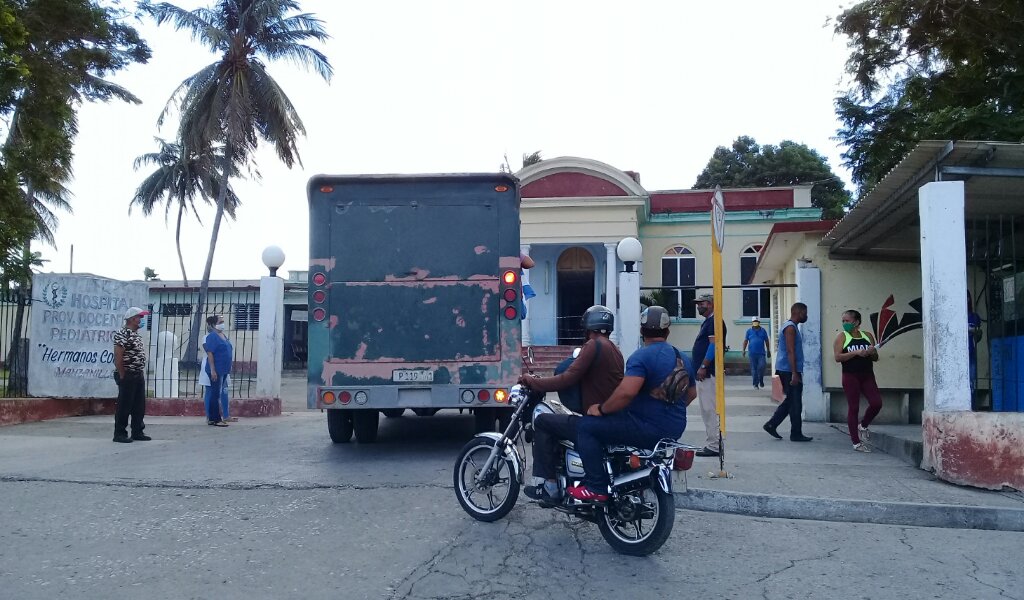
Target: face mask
{"points": [[220, 326], [848, 327]]}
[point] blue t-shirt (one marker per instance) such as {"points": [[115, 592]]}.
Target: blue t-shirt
{"points": [[654, 362], [702, 342], [221, 349], [756, 339]]}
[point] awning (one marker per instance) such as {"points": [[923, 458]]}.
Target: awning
{"points": [[885, 223]]}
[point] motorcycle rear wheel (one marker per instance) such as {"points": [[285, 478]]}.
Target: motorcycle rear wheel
{"points": [[496, 494], [645, 531]]}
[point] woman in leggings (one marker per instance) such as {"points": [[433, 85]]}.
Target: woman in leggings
{"points": [[855, 351]]}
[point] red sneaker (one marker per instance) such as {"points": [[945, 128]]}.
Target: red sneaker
{"points": [[582, 492]]}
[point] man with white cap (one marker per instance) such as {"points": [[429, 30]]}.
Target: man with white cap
{"points": [[130, 376], [756, 342]]}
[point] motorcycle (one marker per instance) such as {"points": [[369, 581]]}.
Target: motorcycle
{"points": [[636, 519]]}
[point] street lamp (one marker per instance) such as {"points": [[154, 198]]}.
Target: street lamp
{"points": [[630, 252], [273, 257]]}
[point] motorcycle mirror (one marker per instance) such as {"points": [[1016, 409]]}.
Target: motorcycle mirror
{"points": [[529, 355], [576, 352]]}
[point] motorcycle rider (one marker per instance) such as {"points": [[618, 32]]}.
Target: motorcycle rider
{"points": [[598, 370], [631, 415]]}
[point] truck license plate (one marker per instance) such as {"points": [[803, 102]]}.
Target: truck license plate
{"points": [[412, 375]]}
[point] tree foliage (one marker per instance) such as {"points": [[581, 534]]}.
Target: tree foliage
{"points": [[748, 164], [234, 102], [54, 55], [928, 69], [179, 176]]}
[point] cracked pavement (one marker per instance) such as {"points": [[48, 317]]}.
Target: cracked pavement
{"points": [[269, 508]]}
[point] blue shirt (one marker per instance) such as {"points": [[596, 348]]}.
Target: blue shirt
{"points": [[700, 345], [756, 339], [654, 363], [221, 349], [782, 360]]}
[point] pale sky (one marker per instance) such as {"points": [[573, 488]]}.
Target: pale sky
{"points": [[452, 86]]}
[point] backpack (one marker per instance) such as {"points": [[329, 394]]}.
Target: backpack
{"points": [[572, 396], [673, 388]]}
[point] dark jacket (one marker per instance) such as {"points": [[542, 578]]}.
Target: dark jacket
{"points": [[597, 379]]}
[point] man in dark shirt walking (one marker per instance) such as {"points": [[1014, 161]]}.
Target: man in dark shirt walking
{"points": [[130, 376], [704, 359]]}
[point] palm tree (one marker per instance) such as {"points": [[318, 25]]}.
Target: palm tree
{"points": [[180, 175], [234, 101]]}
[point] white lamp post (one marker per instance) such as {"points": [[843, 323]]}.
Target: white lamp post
{"points": [[630, 252], [270, 351], [273, 257]]}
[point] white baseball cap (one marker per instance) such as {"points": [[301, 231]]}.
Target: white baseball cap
{"points": [[134, 311], [755, 320]]}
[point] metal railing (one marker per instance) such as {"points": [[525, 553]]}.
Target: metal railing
{"points": [[172, 371]]}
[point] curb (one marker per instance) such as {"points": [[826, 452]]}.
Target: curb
{"points": [[948, 516], [14, 411], [909, 451]]}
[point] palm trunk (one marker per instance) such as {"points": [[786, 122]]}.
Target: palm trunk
{"points": [[177, 242], [191, 351]]}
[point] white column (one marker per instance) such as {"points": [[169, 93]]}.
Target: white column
{"points": [[944, 297], [808, 281], [270, 350], [527, 336], [628, 323], [610, 294]]}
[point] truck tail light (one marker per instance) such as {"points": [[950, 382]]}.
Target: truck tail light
{"points": [[319, 279], [510, 278], [319, 314]]}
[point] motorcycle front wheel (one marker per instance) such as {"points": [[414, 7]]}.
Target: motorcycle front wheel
{"points": [[639, 521], [494, 495]]}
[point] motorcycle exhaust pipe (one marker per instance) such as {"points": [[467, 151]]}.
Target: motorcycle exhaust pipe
{"points": [[632, 477]]}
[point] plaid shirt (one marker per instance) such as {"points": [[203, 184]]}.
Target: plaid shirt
{"points": [[134, 349]]}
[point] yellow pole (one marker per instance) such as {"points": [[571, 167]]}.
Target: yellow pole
{"points": [[717, 242]]}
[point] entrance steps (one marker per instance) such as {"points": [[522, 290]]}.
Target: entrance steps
{"points": [[546, 358]]}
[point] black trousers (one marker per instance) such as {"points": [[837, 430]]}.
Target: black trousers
{"points": [[131, 401], [791, 407], [548, 429]]}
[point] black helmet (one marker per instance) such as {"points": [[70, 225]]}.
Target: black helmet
{"points": [[655, 318], [599, 318]]}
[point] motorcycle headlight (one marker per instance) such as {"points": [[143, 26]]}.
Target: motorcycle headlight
{"points": [[517, 395]]}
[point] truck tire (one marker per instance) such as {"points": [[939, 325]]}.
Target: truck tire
{"points": [[365, 424], [339, 425], [393, 413]]}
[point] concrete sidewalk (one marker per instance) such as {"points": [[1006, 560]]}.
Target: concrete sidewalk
{"points": [[826, 479]]}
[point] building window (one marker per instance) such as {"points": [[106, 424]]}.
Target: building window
{"points": [[679, 268], [175, 310], [757, 302], [247, 317]]}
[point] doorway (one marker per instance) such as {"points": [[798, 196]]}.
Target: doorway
{"points": [[576, 268]]}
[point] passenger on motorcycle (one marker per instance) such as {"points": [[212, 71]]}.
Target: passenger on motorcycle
{"points": [[598, 370], [631, 416]]}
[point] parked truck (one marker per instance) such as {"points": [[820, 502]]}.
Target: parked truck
{"points": [[414, 298]]}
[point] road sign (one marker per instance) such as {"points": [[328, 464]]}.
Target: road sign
{"points": [[718, 217]]}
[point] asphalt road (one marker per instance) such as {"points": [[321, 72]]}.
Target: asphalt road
{"points": [[269, 508]]}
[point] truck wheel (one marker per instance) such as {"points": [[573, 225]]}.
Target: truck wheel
{"points": [[365, 424], [393, 413], [339, 425], [425, 412]]}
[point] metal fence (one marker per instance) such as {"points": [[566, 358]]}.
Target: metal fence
{"points": [[173, 370], [15, 311]]}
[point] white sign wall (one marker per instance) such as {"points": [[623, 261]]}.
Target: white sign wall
{"points": [[74, 318]]}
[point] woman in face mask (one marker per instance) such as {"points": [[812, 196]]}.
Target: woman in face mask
{"points": [[855, 350], [219, 356]]}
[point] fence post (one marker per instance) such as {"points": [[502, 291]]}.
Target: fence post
{"points": [[271, 338]]}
